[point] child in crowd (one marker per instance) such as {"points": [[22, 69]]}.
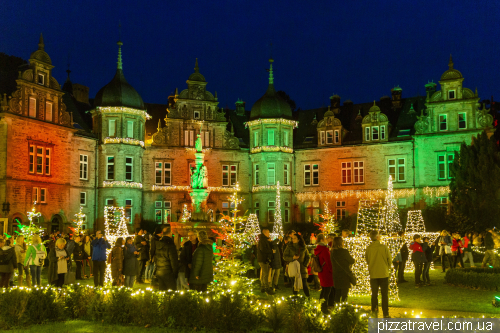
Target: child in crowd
{"points": [[418, 259]]}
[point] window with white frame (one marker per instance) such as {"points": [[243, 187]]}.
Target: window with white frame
{"points": [[270, 137], [271, 174], [163, 173], [451, 94], [32, 107], [129, 169], [329, 137], [322, 137], [445, 161], [43, 195], [110, 168], [397, 169], [83, 198], [158, 212], [311, 174], [48, 111], [39, 160], [256, 138], [286, 217], [285, 139], [47, 161], [256, 174], [346, 172], [443, 122], [84, 166], [367, 133], [189, 138], [341, 212], [130, 128], [382, 132], [110, 202], [167, 211], [256, 209], [286, 174], [359, 172], [32, 159], [312, 211], [41, 79], [336, 136], [229, 175], [375, 133], [111, 127], [35, 194], [462, 120], [270, 211], [205, 138], [128, 210]]}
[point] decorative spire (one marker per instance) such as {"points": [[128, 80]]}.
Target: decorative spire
{"points": [[119, 63], [41, 45], [216, 95], [68, 71], [196, 68], [159, 125], [176, 92], [271, 77], [450, 64], [412, 110]]}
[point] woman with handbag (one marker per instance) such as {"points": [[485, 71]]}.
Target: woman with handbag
{"points": [[444, 242], [296, 251], [325, 274], [343, 278]]}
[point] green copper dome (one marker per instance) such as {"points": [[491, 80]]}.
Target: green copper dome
{"points": [[119, 92], [271, 105], [451, 73]]}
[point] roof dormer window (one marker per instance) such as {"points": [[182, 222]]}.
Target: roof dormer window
{"points": [[197, 115], [41, 79], [451, 94]]}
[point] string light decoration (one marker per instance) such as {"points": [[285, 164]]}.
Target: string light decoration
{"points": [[78, 222], [121, 183], [271, 148], [28, 231], [437, 191], [329, 225], [115, 226], [369, 215], [278, 223], [252, 228], [121, 109], [270, 188], [174, 188], [128, 141], [390, 223], [358, 194], [357, 248], [415, 222], [292, 123], [186, 214], [193, 150]]}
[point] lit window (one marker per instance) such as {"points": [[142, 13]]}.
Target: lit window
{"points": [[158, 215], [397, 169], [229, 175], [329, 137], [256, 174], [312, 211], [167, 212], [382, 132], [443, 122], [43, 195], [340, 210], [84, 167], [346, 173], [256, 139], [48, 111], [322, 137], [271, 175], [462, 120], [286, 178], [367, 133], [35, 194], [270, 211], [359, 174], [32, 107], [375, 133], [110, 167], [129, 169], [111, 127], [83, 198], [270, 137], [337, 136], [128, 210], [130, 129]]}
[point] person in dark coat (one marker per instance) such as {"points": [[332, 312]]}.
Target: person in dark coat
{"points": [[143, 248], [341, 268], [275, 263], [428, 250], [100, 245], [130, 262], [264, 256], [8, 264], [418, 257], [325, 276], [78, 256], [297, 250], [202, 272], [167, 263], [404, 258], [186, 257], [117, 262]]}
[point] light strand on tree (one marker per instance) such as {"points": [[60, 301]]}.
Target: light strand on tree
{"points": [[390, 223], [329, 225], [252, 228], [80, 220], [115, 226], [186, 214], [369, 215], [278, 223], [28, 231]]}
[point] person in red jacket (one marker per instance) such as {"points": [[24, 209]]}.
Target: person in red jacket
{"points": [[326, 274], [418, 258], [456, 250]]}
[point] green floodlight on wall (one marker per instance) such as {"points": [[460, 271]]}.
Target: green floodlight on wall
{"points": [[496, 302]]}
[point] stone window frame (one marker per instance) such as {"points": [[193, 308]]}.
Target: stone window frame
{"points": [[83, 199], [396, 166], [131, 165], [464, 120], [108, 164], [256, 174], [85, 164], [454, 94], [445, 115], [271, 211], [268, 173], [329, 138], [448, 158], [46, 158], [230, 173], [312, 170], [286, 173]]}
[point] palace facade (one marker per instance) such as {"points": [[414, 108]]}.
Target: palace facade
{"points": [[139, 155]]}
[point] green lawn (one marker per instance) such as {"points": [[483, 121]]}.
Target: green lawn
{"points": [[79, 326]]}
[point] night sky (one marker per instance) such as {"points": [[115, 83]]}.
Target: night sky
{"points": [[356, 49]]}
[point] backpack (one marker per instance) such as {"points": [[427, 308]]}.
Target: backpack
{"points": [[6, 256], [40, 256], [315, 264]]}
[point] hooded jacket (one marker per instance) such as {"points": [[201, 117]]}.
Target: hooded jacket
{"points": [[202, 264], [167, 262], [99, 246]]}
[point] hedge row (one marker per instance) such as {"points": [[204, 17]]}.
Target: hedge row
{"points": [[230, 312], [478, 278]]}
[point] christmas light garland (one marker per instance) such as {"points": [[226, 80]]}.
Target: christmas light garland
{"points": [[122, 109], [28, 231], [270, 188], [114, 227], [186, 214], [271, 149], [278, 223], [329, 225], [80, 219], [436, 191], [369, 215], [128, 141], [292, 123], [390, 223], [252, 228], [193, 150], [121, 183], [170, 188]]}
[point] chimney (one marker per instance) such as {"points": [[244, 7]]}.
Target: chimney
{"points": [[240, 107]]}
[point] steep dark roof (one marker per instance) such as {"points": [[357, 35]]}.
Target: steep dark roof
{"points": [[81, 118], [118, 92], [238, 123], [157, 112]]}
